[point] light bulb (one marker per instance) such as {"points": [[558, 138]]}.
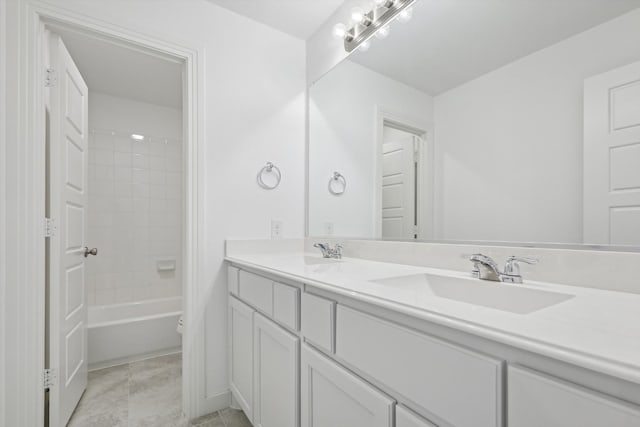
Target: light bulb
{"points": [[383, 32], [405, 15], [339, 30], [364, 46], [357, 15]]}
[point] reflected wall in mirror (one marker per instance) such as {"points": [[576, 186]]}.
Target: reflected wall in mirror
{"points": [[486, 120]]}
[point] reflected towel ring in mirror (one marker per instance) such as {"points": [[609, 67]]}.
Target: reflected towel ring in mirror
{"points": [[269, 170], [337, 184]]}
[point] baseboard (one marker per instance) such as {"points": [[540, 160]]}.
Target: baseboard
{"points": [[135, 358], [214, 403]]}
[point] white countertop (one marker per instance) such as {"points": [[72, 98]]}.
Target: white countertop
{"points": [[596, 329]]}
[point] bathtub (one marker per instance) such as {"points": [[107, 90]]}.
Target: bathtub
{"points": [[122, 333]]}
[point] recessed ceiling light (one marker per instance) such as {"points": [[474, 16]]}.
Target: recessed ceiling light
{"points": [[137, 137]]}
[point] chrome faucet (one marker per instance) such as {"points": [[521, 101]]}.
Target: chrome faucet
{"points": [[328, 252], [485, 268]]}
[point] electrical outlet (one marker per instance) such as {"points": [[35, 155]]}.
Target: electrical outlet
{"points": [[328, 229], [276, 229]]}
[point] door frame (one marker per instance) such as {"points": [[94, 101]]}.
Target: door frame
{"points": [[30, 312], [425, 172]]}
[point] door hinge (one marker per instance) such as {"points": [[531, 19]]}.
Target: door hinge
{"points": [[50, 78], [49, 378], [50, 227]]}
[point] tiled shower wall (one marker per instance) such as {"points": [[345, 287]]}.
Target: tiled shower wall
{"points": [[135, 216]]}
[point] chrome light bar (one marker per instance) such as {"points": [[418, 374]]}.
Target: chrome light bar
{"points": [[373, 21]]}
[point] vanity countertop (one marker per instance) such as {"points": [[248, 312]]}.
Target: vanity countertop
{"points": [[596, 329]]}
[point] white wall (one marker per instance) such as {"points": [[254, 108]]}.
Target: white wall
{"points": [[509, 143], [3, 199], [254, 110], [135, 200], [342, 121]]}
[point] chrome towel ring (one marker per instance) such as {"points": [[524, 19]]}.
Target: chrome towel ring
{"points": [[270, 169], [337, 184]]}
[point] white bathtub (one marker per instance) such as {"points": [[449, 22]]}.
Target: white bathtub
{"points": [[122, 333]]}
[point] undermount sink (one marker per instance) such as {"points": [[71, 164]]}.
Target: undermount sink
{"points": [[496, 295], [310, 260]]}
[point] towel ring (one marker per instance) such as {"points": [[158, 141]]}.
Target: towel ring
{"points": [[269, 168], [337, 184]]}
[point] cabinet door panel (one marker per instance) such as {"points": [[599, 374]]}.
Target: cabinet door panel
{"points": [[241, 354], [537, 399], [276, 371], [331, 396]]}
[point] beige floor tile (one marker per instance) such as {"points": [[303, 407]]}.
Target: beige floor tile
{"points": [[234, 418]]}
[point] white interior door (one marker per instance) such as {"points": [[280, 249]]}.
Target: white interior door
{"points": [[68, 206], [612, 157], [399, 172]]}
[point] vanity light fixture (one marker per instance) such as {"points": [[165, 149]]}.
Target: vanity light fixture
{"points": [[365, 25], [137, 137]]}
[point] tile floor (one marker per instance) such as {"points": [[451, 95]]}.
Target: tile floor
{"points": [[140, 394]]}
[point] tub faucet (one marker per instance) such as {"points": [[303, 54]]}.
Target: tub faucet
{"points": [[328, 252], [485, 268]]}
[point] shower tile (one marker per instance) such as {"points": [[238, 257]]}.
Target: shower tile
{"points": [[102, 141], [123, 144], [140, 147], [140, 189], [122, 174], [140, 161], [156, 162], [140, 176], [123, 160], [103, 157], [157, 148], [157, 191]]}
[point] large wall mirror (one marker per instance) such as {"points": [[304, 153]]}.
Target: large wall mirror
{"points": [[484, 120]]}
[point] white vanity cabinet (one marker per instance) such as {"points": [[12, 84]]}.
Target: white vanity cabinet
{"points": [[331, 396], [276, 361], [537, 399], [302, 356]]}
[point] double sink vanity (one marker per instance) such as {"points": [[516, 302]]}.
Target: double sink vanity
{"points": [[352, 342]]}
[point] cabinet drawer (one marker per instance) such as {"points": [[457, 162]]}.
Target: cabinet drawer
{"points": [[232, 280], [461, 387], [257, 291], [406, 418], [537, 399], [318, 321], [286, 305], [331, 396]]}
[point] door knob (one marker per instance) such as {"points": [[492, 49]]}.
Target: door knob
{"points": [[88, 251]]}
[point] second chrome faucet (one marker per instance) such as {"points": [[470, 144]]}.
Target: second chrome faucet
{"points": [[485, 268]]}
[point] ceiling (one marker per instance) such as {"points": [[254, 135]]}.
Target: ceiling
{"points": [[450, 42], [299, 18], [125, 71]]}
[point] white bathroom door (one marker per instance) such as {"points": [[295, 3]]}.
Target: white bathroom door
{"points": [[67, 181], [612, 157], [399, 172]]}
